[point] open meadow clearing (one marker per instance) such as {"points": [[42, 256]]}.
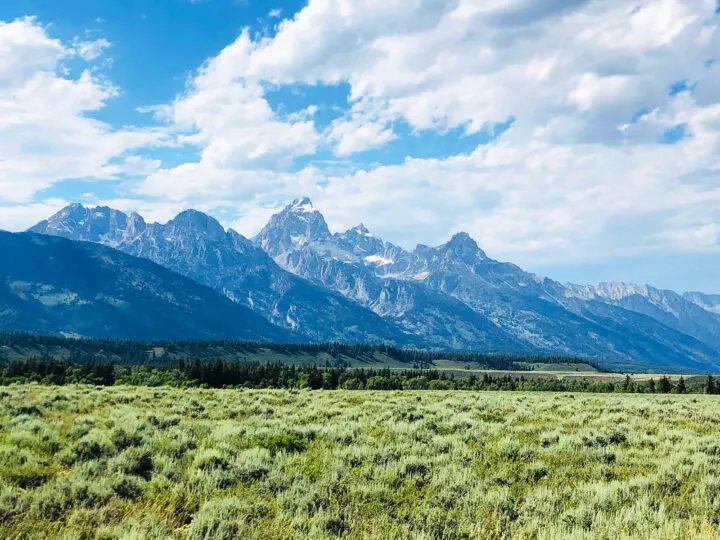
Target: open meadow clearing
{"points": [[129, 462]]}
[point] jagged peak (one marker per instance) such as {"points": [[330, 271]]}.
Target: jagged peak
{"points": [[74, 209], [463, 243], [78, 209], [303, 205], [361, 229], [622, 288], [463, 239], [197, 220]]}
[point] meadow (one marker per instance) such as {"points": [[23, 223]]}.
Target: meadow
{"points": [[81, 461]]}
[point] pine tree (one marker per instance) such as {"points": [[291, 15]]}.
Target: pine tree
{"points": [[665, 385], [651, 385], [680, 388], [710, 387]]}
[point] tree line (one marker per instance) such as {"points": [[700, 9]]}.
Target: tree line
{"points": [[230, 374], [127, 352]]}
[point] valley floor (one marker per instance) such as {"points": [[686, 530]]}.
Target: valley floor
{"points": [[132, 462]]}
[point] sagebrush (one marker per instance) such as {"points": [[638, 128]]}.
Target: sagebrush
{"points": [[131, 462]]}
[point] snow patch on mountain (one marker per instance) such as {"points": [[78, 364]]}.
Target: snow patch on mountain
{"points": [[377, 260]]}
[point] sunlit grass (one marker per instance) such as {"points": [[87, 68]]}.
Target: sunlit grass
{"points": [[132, 462]]}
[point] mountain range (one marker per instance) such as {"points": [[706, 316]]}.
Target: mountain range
{"points": [[354, 286]]}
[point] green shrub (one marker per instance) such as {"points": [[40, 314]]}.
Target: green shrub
{"points": [[10, 497], [392, 464], [96, 444], [34, 434], [134, 462], [282, 442], [127, 487], [23, 467], [225, 519]]}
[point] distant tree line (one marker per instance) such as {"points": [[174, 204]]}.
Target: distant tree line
{"points": [[229, 374], [127, 352]]}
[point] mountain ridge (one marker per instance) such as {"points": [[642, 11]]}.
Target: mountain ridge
{"points": [[450, 296], [196, 245]]}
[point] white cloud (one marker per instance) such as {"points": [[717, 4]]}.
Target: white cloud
{"points": [[90, 50], [573, 177], [465, 63], [242, 140], [572, 74], [703, 237], [356, 134], [136, 166], [592, 90], [24, 216], [46, 133]]}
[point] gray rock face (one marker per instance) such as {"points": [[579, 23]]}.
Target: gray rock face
{"points": [[294, 227], [100, 224]]}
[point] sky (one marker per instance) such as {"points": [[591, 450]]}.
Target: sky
{"points": [[579, 139]]}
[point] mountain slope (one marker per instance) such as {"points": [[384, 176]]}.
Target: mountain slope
{"points": [[709, 302], [58, 286], [196, 245], [670, 308], [427, 286], [299, 239]]}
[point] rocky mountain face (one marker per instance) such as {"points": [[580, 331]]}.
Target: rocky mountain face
{"points": [[709, 302], [354, 286], [52, 285], [100, 224], [197, 246], [676, 311], [427, 289], [300, 242]]}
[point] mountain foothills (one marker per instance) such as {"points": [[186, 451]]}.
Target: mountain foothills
{"points": [[56, 286], [353, 286]]}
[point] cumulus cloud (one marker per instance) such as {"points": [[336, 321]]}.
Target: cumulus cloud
{"points": [[90, 50], [704, 236], [593, 87], [579, 159], [23, 216], [46, 133], [355, 134]]}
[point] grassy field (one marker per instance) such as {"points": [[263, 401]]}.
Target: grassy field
{"points": [[129, 462]]}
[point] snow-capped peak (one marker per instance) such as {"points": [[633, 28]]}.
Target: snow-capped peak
{"points": [[296, 225], [362, 230], [302, 205]]}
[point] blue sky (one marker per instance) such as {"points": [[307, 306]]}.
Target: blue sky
{"points": [[579, 139]]}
